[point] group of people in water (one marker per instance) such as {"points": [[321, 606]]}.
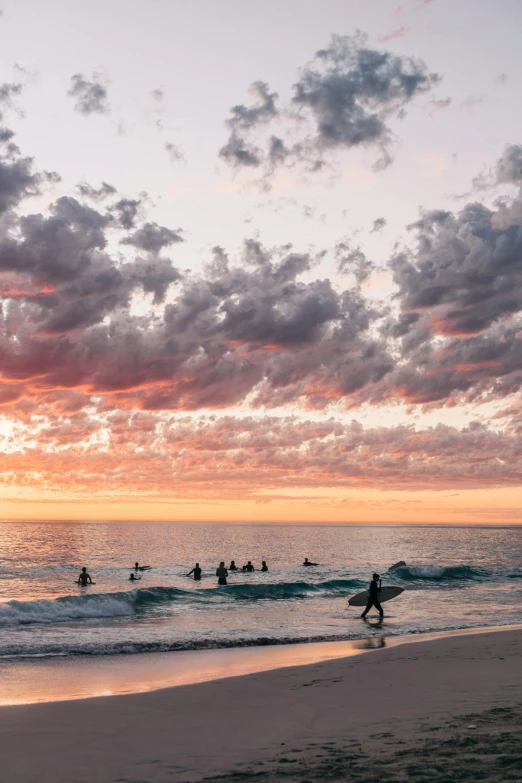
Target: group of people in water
{"points": [[222, 573], [222, 570]]}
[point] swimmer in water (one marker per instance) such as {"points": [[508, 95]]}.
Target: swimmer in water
{"points": [[264, 566], [84, 579], [232, 566], [196, 571], [134, 578], [250, 567], [308, 563], [222, 574]]}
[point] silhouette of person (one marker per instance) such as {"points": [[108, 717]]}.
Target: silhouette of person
{"points": [[84, 578], [308, 563], [232, 566], [196, 571], [134, 578], [249, 566], [264, 566], [373, 600], [222, 574]]}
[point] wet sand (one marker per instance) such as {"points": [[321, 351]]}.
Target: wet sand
{"points": [[439, 709]]}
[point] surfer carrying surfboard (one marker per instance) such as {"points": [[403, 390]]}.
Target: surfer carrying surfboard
{"points": [[373, 599]]}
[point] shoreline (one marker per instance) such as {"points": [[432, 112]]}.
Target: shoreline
{"points": [[416, 706], [46, 681]]}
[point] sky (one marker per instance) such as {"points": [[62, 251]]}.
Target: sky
{"points": [[261, 261]]}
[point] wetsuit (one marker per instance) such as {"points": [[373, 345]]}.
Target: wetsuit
{"points": [[197, 573], [250, 567], [222, 574], [373, 600]]}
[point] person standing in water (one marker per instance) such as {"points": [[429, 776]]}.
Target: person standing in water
{"points": [[250, 567], [222, 574], [232, 566], [373, 600], [196, 571], [84, 579], [264, 566]]}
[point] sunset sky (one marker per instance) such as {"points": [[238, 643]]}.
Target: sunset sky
{"points": [[261, 261]]}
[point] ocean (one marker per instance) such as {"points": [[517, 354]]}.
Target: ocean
{"points": [[455, 577]]}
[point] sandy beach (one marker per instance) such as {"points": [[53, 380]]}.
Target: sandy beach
{"points": [[436, 709]]}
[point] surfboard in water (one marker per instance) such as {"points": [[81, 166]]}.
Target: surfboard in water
{"points": [[386, 594]]}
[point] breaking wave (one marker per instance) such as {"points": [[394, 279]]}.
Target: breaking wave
{"points": [[82, 607], [437, 573]]}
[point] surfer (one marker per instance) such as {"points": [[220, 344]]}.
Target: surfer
{"points": [[373, 600], [308, 563], [196, 571], [84, 578], [222, 574], [232, 566], [137, 567], [264, 566], [134, 578], [250, 567]]}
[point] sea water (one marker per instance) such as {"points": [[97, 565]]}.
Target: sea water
{"points": [[454, 577]]}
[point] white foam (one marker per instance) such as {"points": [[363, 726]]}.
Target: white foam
{"points": [[69, 608]]}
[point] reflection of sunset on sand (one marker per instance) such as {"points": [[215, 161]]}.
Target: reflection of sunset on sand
{"points": [[426, 699]]}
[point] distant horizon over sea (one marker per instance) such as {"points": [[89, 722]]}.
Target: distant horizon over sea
{"points": [[292, 523]]}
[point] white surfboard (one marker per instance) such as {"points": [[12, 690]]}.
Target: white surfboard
{"points": [[385, 594]]}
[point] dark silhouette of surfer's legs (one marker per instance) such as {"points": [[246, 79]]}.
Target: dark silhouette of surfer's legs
{"points": [[369, 606]]}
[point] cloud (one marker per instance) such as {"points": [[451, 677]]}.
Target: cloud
{"points": [[509, 166], [399, 32], [378, 225], [126, 211], [237, 152], [8, 90], [352, 260], [262, 111], [248, 457], [96, 194], [459, 290], [471, 102], [439, 104], [91, 95], [153, 238], [174, 152], [343, 99]]}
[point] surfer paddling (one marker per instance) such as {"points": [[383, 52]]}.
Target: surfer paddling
{"points": [[308, 563], [373, 599]]}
